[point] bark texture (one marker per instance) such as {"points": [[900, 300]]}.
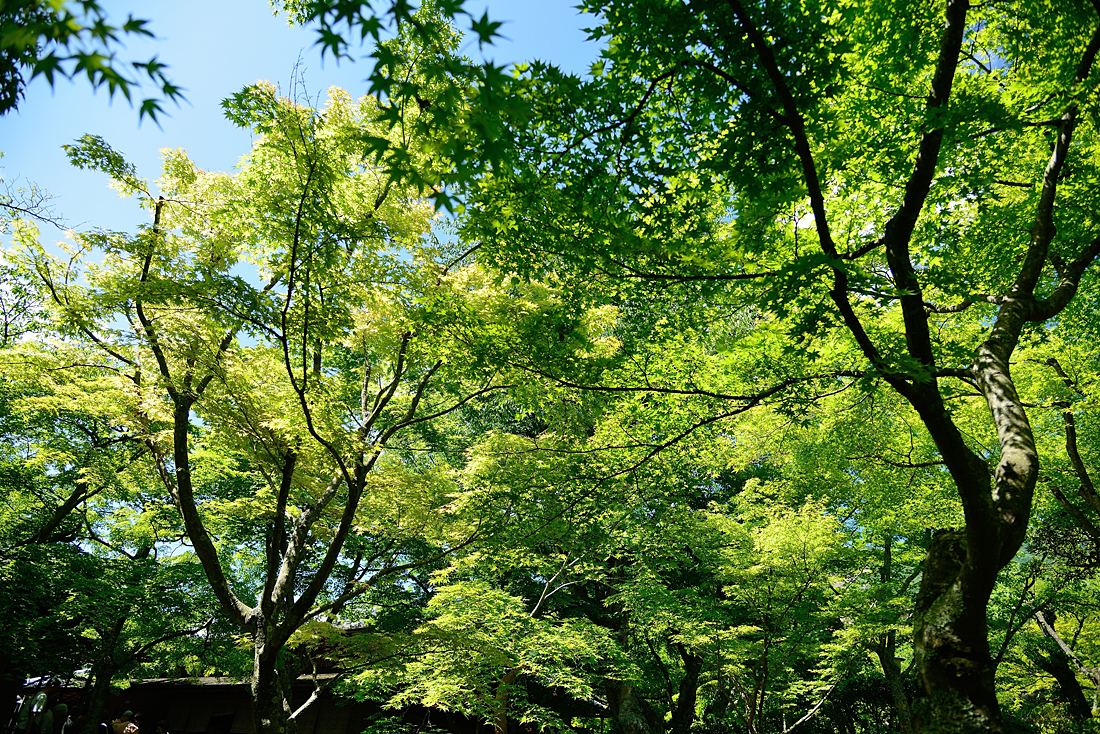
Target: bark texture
{"points": [[632, 714], [503, 695], [951, 645]]}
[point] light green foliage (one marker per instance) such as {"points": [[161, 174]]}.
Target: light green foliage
{"points": [[480, 640], [659, 553], [287, 349], [684, 432], [82, 533], [758, 591]]}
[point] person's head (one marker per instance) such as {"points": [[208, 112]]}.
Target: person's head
{"points": [[60, 711], [126, 715]]}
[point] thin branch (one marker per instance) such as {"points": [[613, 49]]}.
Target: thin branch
{"points": [[898, 464], [793, 119], [456, 406], [815, 709], [461, 257], [965, 303], [650, 389], [1012, 627], [1048, 629], [165, 638], [363, 586], [997, 128]]}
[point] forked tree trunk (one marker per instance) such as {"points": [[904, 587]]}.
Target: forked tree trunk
{"points": [[950, 645], [886, 650], [102, 673], [891, 670]]}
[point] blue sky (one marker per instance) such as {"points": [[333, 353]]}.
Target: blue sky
{"points": [[213, 48]]}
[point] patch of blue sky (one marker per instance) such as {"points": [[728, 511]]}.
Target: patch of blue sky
{"points": [[213, 49]]}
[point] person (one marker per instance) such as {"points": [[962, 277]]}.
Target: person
{"points": [[59, 715], [45, 722], [134, 727], [22, 715], [38, 705], [74, 723], [118, 726]]}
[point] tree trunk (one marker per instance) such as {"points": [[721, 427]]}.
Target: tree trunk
{"points": [[951, 646], [271, 704], [950, 643], [99, 687], [102, 673], [1062, 662], [500, 716], [719, 703], [886, 650], [683, 713], [1055, 663], [632, 714]]}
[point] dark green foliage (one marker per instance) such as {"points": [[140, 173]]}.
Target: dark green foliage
{"points": [[70, 39]]}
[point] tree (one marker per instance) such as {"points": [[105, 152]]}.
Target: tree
{"points": [[285, 409], [897, 198], [907, 185], [711, 596], [80, 533]]}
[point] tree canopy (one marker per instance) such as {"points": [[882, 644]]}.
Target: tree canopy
{"points": [[746, 386]]}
